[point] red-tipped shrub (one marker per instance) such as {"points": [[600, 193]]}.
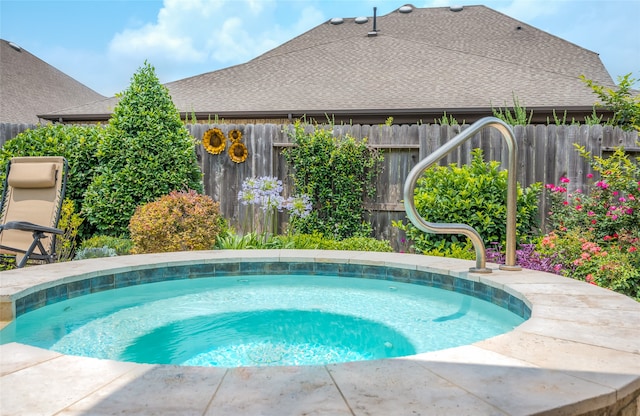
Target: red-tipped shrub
{"points": [[180, 221]]}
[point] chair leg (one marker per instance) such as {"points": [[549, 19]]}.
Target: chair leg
{"points": [[26, 255], [37, 235], [49, 256]]}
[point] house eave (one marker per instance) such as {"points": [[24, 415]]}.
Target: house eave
{"points": [[356, 116], [71, 118], [402, 115]]}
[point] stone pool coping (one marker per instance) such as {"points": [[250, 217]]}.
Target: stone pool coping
{"points": [[579, 353]]}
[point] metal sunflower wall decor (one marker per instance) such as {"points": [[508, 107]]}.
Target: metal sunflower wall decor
{"points": [[214, 141], [237, 151]]}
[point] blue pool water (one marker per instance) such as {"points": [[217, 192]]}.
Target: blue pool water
{"points": [[261, 320]]}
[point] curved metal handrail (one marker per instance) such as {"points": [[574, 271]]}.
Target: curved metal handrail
{"points": [[470, 232]]}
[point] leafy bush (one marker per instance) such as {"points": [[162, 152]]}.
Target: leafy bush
{"points": [[7, 263], [336, 173], [305, 242], [302, 242], [458, 250], [623, 102], [364, 244], [77, 144], [176, 222], [121, 246], [146, 152], [474, 194], [318, 242]]}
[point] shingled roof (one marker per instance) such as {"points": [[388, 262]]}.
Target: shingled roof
{"points": [[30, 86], [418, 63]]}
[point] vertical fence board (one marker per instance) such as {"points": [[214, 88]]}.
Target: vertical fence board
{"points": [[561, 162], [573, 168], [486, 145], [529, 154], [540, 145]]}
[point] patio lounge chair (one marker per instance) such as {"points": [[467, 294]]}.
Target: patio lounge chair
{"points": [[31, 203]]}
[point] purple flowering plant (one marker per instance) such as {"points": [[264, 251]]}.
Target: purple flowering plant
{"points": [[527, 257], [265, 192]]}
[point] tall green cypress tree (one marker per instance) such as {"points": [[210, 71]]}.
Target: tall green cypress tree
{"points": [[146, 152]]}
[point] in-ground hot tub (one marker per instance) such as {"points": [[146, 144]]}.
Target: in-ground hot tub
{"points": [[578, 352], [263, 313]]}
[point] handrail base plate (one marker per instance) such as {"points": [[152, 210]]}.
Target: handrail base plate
{"points": [[510, 268], [480, 270]]}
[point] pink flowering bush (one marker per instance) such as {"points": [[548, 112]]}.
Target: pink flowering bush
{"points": [[596, 231], [611, 206]]}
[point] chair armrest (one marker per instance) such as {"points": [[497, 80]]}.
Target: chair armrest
{"points": [[28, 226]]}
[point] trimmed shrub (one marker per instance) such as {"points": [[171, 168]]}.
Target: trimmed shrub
{"points": [[179, 221], [146, 152], [474, 194]]}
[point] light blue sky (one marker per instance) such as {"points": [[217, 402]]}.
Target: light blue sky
{"points": [[102, 43]]}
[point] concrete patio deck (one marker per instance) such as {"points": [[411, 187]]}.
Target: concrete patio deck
{"points": [[579, 353]]}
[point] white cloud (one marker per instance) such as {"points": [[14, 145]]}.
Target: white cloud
{"points": [[152, 41], [170, 37], [256, 7], [232, 42], [309, 18], [216, 33]]}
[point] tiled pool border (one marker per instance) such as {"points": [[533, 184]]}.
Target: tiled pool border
{"points": [[110, 281]]}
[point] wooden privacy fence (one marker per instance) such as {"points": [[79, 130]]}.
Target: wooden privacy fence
{"points": [[546, 153], [10, 130]]}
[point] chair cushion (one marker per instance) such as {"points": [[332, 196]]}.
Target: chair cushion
{"points": [[32, 175]]}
